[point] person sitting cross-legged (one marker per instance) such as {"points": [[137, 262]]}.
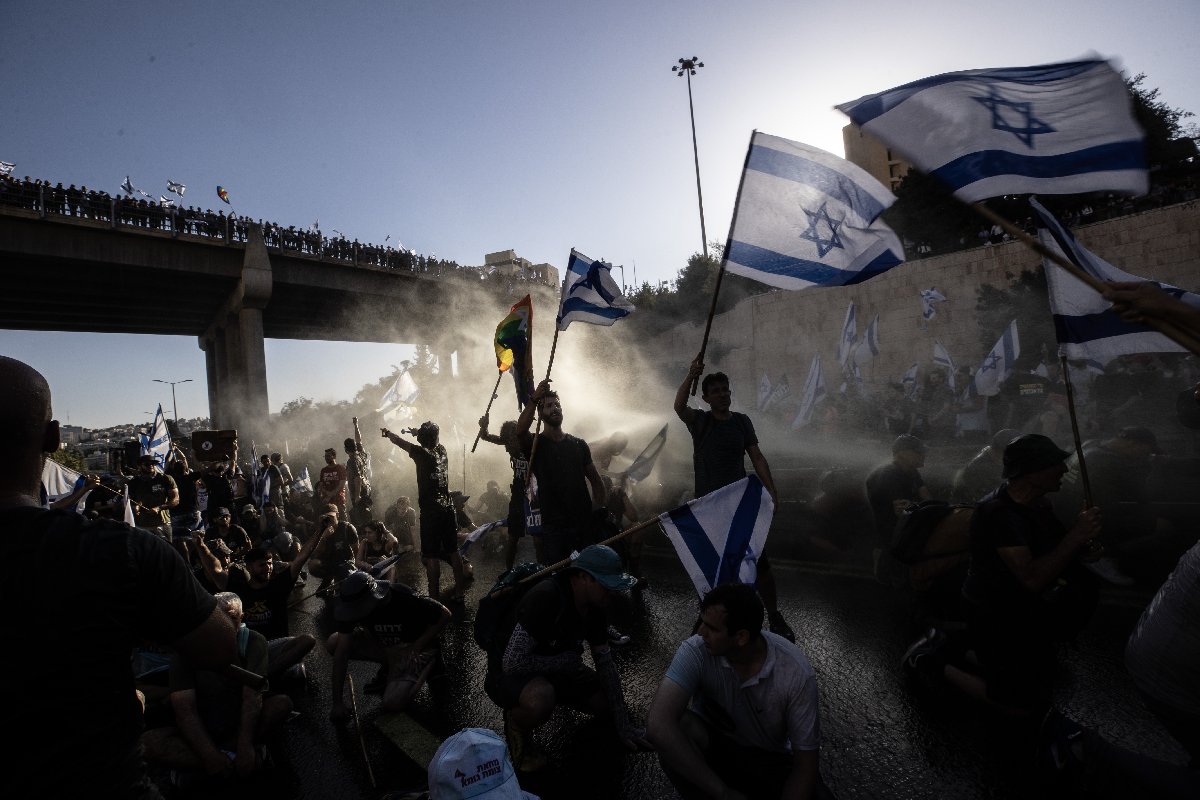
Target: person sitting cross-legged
{"points": [[737, 714]]}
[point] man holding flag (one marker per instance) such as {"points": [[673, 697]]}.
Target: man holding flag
{"points": [[720, 440]]}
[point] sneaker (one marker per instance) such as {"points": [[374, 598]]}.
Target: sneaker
{"points": [[616, 637], [1107, 570], [1060, 747], [779, 626], [378, 683], [526, 756], [923, 659]]}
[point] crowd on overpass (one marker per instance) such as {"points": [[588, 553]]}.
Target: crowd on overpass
{"points": [[126, 211]]}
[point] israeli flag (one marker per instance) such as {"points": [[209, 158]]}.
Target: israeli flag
{"points": [[176, 187], [6, 167], [814, 392], [929, 298], [871, 337], [589, 294], [998, 363], [805, 217], [477, 534], [158, 442], [401, 395], [642, 466], [1084, 323], [909, 381], [1054, 129], [764, 391], [941, 357], [165, 201], [303, 484], [127, 186], [849, 336], [780, 392], [720, 536]]}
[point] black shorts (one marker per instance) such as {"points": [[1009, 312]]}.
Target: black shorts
{"points": [[516, 516], [439, 531], [575, 689]]}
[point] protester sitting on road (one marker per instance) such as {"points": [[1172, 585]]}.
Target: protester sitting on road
{"points": [[376, 544], [542, 664], [399, 631], [336, 554], [1026, 588], [79, 736], [401, 519], [220, 724], [234, 536], [737, 714], [892, 489]]}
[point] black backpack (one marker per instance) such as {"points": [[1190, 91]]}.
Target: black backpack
{"points": [[495, 617]]}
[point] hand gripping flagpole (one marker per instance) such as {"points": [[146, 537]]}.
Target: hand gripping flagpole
{"points": [[712, 310], [549, 366], [495, 389], [1173, 332]]}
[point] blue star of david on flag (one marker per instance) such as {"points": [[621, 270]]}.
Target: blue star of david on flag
{"points": [[997, 365], [813, 233], [590, 294], [990, 362], [1007, 113]]}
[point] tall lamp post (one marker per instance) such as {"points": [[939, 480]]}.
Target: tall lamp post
{"points": [[174, 405], [687, 67]]}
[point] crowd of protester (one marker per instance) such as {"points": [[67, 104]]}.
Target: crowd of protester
{"points": [[127, 211]]}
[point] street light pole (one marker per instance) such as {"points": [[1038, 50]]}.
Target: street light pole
{"points": [[687, 67], [174, 405]]}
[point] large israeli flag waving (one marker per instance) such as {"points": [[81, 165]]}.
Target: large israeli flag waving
{"points": [[1084, 322], [998, 363], [720, 536], [589, 294], [158, 442], [805, 218], [1053, 129]]}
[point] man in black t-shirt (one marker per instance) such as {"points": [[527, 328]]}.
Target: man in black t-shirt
{"points": [[154, 495], [222, 527], [264, 594], [563, 466], [893, 488], [439, 529], [114, 585], [398, 630], [721, 441]]}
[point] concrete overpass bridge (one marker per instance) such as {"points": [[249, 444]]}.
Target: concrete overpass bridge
{"points": [[89, 273]]}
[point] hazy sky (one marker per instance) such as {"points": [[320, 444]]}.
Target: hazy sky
{"points": [[461, 128]]}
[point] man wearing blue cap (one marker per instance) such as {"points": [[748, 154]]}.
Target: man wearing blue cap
{"points": [[543, 664]]}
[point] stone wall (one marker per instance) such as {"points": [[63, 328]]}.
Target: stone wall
{"points": [[778, 333]]}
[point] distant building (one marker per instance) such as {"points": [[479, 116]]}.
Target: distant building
{"points": [[508, 264], [71, 434], [874, 156]]}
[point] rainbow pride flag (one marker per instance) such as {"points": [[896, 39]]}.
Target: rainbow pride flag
{"points": [[514, 348]]}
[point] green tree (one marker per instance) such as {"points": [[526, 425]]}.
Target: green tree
{"points": [[71, 459], [1026, 300], [1168, 139]]}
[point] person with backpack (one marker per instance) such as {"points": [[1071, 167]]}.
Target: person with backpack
{"points": [[538, 665]]}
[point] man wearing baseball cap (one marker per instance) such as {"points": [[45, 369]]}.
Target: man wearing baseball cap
{"points": [[1026, 588], [543, 665], [398, 630]]}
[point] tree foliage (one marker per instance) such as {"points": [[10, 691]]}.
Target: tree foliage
{"points": [[1027, 301], [71, 459]]}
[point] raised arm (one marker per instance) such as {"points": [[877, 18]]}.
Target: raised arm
{"points": [[483, 432], [525, 421], [682, 410], [407, 447], [211, 564], [307, 550]]}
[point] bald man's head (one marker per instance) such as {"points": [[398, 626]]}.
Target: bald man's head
{"points": [[26, 428]]}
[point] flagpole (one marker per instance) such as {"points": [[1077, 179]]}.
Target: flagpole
{"points": [[1083, 473], [1170, 330], [495, 389], [712, 310], [641, 526]]}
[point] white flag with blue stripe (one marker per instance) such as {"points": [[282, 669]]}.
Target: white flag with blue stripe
{"points": [[589, 294], [176, 187], [1055, 129], [998, 363], [806, 218], [849, 336], [719, 537], [643, 465], [1084, 323], [477, 534], [158, 442], [814, 392], [909, 381], [941, 357], [764, 391], [303, 484], [929, 299], [871, 337]]}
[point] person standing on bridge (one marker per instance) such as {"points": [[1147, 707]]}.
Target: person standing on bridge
{"points": [[439, 530]]}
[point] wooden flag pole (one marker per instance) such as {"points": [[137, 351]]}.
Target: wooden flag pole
{"points": [[1173, 332], [537, 431], [495, 389], [1083, 474], [641, 526], [712, 309], [362, 743]]}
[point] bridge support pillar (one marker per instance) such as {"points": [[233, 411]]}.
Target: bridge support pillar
{"points": [[235, 350]]}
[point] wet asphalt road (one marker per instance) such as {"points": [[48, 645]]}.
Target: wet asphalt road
{"points": [[881, 739]]}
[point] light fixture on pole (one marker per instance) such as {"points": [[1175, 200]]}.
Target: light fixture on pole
{"points": [[174, 405], [688, 67]]}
